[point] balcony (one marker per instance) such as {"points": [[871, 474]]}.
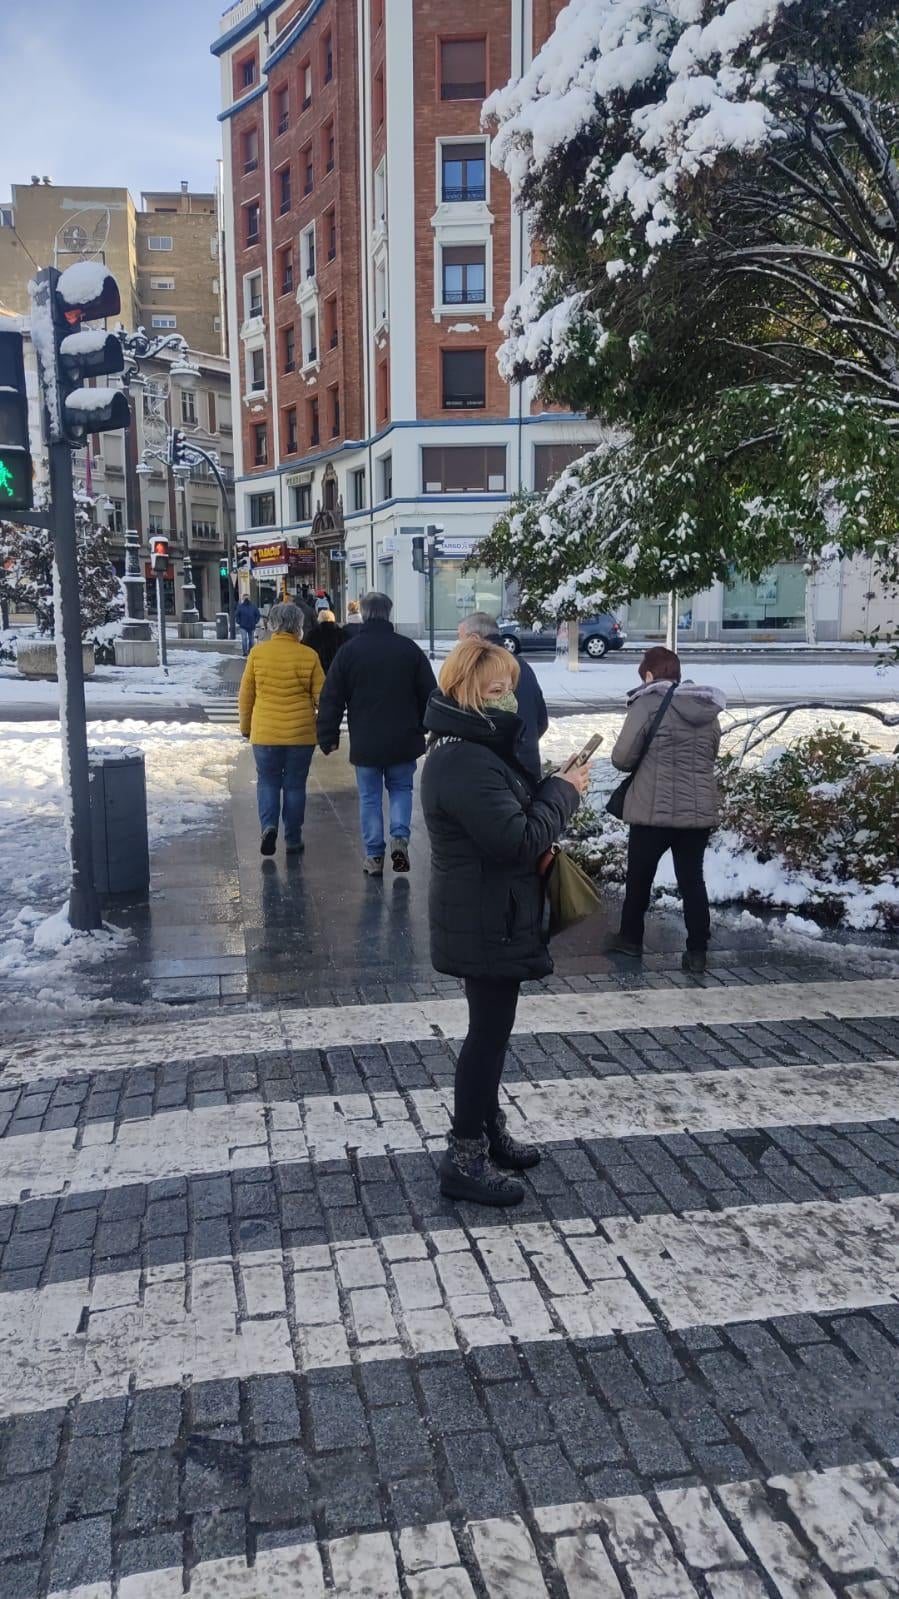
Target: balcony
{"points": [[458, 195], [463, 402], [468, 296]]}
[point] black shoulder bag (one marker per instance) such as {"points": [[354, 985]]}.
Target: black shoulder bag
{"points": [[615, 801]]}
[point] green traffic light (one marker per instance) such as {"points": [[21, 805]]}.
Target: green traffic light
{"points": [[6, 480], [15, 481]]}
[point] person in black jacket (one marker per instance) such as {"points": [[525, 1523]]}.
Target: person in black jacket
{"points": [[531, 704], [489, 822], [325, 638], [383, 681]]}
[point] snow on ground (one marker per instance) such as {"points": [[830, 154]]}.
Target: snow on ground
{"points": [[187, 768], [755, 681], [732, 873], [192, 674]]}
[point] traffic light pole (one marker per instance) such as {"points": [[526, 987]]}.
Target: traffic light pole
{"points": [[160, 623], [84, 904], [432, 564]]}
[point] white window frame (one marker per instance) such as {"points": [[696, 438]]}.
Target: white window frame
{"points": [[251, 394], [461, 222], [162, 283], [457, 138], [189, 403], [168, 322], [358, 475], [305, 237], [253, 322], [308, 361], [160, 241]]}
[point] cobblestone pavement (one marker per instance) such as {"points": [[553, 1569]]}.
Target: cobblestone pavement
{"points": [[247, 1350]]}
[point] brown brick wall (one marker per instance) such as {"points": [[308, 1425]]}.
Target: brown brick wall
{"points": [[195, 269]]}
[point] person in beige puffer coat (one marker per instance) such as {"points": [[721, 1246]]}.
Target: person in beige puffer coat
{"points": [[672, 802]]}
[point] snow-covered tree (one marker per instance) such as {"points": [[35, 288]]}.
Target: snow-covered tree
{"points": [[715, 190], [26, 570]]}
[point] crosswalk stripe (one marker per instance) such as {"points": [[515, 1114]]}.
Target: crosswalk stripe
{"points": [[804, 1527], [116, 1048], [247, 1134], [328, 1306]]}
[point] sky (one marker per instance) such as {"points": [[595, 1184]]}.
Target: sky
{"points": [[119, 92]]}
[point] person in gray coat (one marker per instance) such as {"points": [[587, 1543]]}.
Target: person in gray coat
{"points": [[672, 802]]}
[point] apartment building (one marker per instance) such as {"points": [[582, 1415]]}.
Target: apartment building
{"points": [[370, 249], [179, 283]]}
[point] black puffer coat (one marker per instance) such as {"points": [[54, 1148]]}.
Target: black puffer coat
{"points": [[489, 823]]}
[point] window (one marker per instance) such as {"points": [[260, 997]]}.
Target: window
{"points": [[328, 146], [253, 294], [314, 434], [290, 429], [382, 380], [251, 215], [331, 337], [551, 459], [189, 406], [217, 324], [464, 469], [380, 293], [288, 349], [464, 380], [775, 600], [329, 492], [381, 193], [308, 170], [284, 191], [310, 338], [331, 233], [302, 502], [306, 79], [155, 520], [247, 70], [163, 321], [162, 283], [464, 274], [213, 419], [285, 262], [204, 531], [327, 57], [386, 465], [257, 371], [308, 243], [334, 398], [463, 69], [260, 446], [262, 509], [464, 172], [357, 486], [160, 241], [379, 98], [251, 150], [117, 516], [282, 110]]}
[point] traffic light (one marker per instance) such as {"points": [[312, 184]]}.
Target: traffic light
{"points": [[69, 353], [418, 553], [178, 448], [159, 546], [223, 567], [242, 555], [16, 487]]}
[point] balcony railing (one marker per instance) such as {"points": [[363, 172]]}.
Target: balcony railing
{"points": [[250, 166], [255, 309], [289, 366], [252, 238], [453, 193], [287, 282], [463, 402], [467, 296]]}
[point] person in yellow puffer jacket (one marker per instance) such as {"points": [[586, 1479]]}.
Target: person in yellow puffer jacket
{"points": [[279, 694]]}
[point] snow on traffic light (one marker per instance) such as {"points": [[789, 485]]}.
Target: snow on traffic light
{"points": [[69, 353]]}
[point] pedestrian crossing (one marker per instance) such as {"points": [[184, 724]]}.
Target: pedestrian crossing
{"points": [[246, 1349], [222, 708]]}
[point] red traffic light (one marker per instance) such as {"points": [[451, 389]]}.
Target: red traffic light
{"points": [[85, 292]]}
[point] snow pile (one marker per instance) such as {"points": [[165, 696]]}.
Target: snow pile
{"points": [[82, 282]]}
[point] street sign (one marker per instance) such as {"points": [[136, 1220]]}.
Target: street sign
{"points": [[337, 555]]}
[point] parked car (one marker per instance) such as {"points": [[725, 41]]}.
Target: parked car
{"points": [[598, 635]]}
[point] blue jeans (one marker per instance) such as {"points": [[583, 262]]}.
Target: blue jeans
{"points": [[281, 773], [247, 634], [370, 781]]}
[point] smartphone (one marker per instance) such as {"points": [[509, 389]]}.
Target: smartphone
{"points": [[584, 755]]}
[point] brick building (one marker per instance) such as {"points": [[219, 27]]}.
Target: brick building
{"points": [[370, 249], [178, 272]]}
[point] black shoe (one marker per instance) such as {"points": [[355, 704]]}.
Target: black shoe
{"points": [[295, 849], [467, 1172], [623, 946], [693, 960], [399, 854], [269, 841], [506, 1152]]}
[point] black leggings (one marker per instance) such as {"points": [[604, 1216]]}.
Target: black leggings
{"points": [[491, 1015], [645, 848]]}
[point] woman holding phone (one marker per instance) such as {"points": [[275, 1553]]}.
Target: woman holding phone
{"points": [[490, 822]]}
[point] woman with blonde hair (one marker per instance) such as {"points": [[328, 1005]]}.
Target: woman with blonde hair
{"points": [[490, 821], [279, 694]]}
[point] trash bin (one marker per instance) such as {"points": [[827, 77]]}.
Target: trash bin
{"points": [[221, 624], [118, 789]]}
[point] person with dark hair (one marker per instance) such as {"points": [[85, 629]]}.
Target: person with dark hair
{"points": [[325, 638], [669, 742], [383, 682]]}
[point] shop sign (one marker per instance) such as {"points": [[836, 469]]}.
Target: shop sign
{"points": [[458, 547], [300, 561], [296, 480], [269, 555]]}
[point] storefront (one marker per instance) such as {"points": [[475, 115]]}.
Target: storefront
{"points": [[278, 569], [774, 602], [459, 590]]}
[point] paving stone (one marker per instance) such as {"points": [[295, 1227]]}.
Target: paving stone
{"points": [[151, 1486], [155, 1418], [214, 1476], [652, 1442], [338, 1418], [90, 1482], [346, 1493], [33, 1442], [23, 1514], [82, 1553], [401, 1444]]}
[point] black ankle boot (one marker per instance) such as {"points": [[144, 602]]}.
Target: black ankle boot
{"points": [[506, 1152], [467, 1172], [693, 960]]}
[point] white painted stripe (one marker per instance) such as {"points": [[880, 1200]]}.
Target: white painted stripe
{"points": [[224, 1138], [409, 1294], [846, 1518], [116, 1048]]}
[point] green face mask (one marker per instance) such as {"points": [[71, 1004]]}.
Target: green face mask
{"points": [[506, 702]]}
